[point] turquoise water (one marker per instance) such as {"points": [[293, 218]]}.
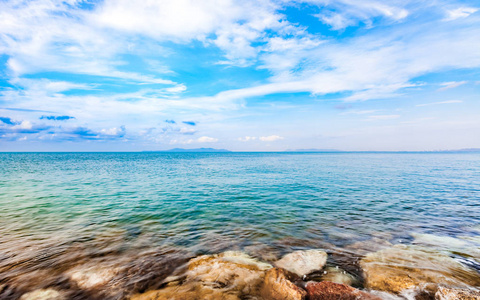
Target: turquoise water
{"points": [[62, 209]]}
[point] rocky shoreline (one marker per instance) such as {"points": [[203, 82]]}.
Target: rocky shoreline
{"points": [[394, 272]]}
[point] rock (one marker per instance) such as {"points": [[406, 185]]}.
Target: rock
{"points": [[263, 252], [334, 291], [337, 275], [444, 293], [466, 248], [438, 241], [89, 277], [189, 291], [44, 294], [405, 267], [303, 262], [230, 275], [278, 285]]}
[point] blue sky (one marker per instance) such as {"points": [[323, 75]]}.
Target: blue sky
{"points": [[242, 75]]}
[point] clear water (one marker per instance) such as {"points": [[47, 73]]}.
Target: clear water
{"points": [[58, 210]]}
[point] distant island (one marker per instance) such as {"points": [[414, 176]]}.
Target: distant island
{"points": [[314, 150], [192, 150]]}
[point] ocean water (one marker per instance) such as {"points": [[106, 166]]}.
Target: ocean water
{"points": [[153, 211]]}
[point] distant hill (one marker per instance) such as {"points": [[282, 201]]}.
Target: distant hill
{"points": [[193, 150]]}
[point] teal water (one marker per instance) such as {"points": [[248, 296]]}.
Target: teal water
{"points": [[58, 210]]}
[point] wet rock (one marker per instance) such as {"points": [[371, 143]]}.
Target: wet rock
{"points": [[189, 291], [278, 285], [337, 275], [334, 291], [230, 275], [89, 277], [263, 252], [405, 267], [150, 269], [422, 292], [444, 293], [388, 296], [438, 241], [229, 269], [466, 248], [44, 294], [303, 262]]}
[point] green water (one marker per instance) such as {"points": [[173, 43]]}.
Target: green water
{"points": [[59, 209]]}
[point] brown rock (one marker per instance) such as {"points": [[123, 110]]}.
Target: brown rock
{"points": [[337, 275], [444, 293], [335, 291], [230, 276], [278, 285], [401, 267], [303, 262]]}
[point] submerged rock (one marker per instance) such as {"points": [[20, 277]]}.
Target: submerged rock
{"points": [[303, 262], [372, 245], [465, 248], [230, 275], [263, 252], [334, 291], [278, 285], [400, 267], [44, 294], [89, 277], [337, 275], [444, 293]]}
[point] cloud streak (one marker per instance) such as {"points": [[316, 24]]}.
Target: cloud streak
{"points": [[440, 102]]}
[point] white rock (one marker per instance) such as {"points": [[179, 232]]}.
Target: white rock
{"points": [[303, 262], [43, 294], [88, 277]]}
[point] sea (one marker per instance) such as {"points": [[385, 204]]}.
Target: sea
{"points": [[147, 213]]}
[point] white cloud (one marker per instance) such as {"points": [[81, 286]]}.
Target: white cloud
{"points": [[185, 130], [207, 139], [373, 66], [247, 138], [178, 20], [229, 25], [115, 131], [359, 112], [23, 125], [460, 12], [383, 117], [451, 85], [48, 86], [344, 13], [270, 138], [441, 102]]}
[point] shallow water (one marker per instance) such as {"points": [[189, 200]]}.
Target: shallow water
{"points": [[145, 214]]}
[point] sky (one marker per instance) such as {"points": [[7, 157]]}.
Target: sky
{"points": [[266, 75]]}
